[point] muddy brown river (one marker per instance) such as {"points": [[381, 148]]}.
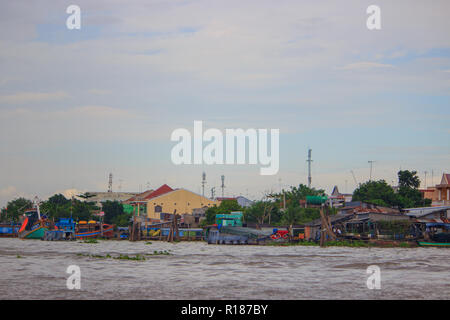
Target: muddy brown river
{"points": [[34, 269]]}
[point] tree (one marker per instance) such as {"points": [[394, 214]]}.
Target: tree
{"points": [[15, 208], [295, 194], [225, 207], [112, 210], [82, 210], [408, 179], [408, 193], [377, 192], [121, 220], [259, 212], [57, 206], [380, 193]]}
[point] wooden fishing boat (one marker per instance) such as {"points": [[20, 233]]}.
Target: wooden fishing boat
{"points": [[93, 229], [434, 244], [34, 225]]}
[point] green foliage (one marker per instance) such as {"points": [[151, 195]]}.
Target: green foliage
{"points": [[90, 240], [376, 192], [381, 194], [295, 194], [260, 212], [226, 206], [299, 215], [408, 179], [15, 208], [114, 213], [263, 211], [57, 206], [122, 220]]}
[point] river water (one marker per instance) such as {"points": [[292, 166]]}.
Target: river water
{"points": [[34, 269]]}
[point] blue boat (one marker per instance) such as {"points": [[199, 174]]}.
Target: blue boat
{"points": [[9, 230]]}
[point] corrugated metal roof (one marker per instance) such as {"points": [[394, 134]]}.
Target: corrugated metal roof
{"points": [[420, 212]]}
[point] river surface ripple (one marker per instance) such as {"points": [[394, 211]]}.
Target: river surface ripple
{"points": [[34, 269]]}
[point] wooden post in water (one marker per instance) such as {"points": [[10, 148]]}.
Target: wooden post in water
{"points": [[325, 227], [173, 231]]}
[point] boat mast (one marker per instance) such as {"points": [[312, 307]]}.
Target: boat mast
{"points": [[37, 207]]}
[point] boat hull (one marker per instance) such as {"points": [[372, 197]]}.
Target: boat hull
{"points": [[434, 244], [34, 234], [94, 234]]}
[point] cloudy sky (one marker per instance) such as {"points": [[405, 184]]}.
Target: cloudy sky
{"points": [[76, 105]]}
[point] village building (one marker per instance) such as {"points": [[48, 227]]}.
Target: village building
{"points": [[443, 190], [429, 214], [179, 201], [339, 199], [241, 200], [439, 194]]}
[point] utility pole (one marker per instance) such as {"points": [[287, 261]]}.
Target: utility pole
{"points": [[213, 192], [309, 168], [371, 163], [203, 183], [426, 179], [432, 176], [223, 185], [110, 182], [354, 178]]}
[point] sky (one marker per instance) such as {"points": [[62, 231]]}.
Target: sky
{"points": [[76, 105]]}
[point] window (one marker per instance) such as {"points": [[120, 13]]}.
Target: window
{"points": [[158, 209]]}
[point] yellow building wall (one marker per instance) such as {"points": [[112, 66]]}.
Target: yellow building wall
{"points": [[183, 201]]}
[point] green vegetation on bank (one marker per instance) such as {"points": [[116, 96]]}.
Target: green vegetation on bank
{"points": [[137, 257], [382, 194], [271, 209], [90, 240], [57, 206]]}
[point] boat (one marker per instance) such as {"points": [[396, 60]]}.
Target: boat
{"points": [[434, 244], [217, 234], [34, 225], [93, 229], [9, 229]]}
